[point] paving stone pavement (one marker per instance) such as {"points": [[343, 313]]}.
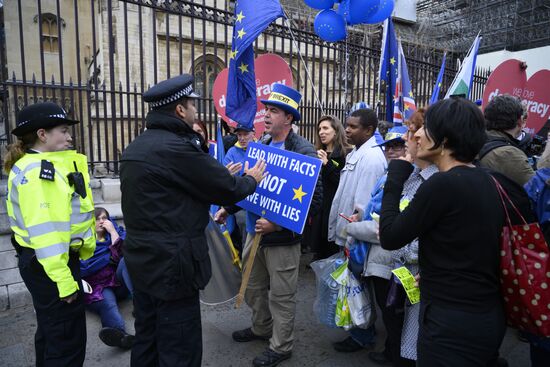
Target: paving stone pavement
{"points": [[312, 346]]}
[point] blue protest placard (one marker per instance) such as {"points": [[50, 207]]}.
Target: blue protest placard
{"points": [[284, 196]]}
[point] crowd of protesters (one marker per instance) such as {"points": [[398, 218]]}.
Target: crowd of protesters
{"points": [[430, 185], [423, 195]]}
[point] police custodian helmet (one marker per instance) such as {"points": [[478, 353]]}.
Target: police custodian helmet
{"points": [[43, 115]]}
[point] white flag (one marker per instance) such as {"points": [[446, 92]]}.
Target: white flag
{"points": [[462, 83]]}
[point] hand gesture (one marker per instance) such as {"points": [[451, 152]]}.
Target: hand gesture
{"points": [[357, 215], [407, 157], [258, 171], [234, 168], [108, 226], [263, 226], [355, 218], [322, 156], [221, 216], [70, 298]]}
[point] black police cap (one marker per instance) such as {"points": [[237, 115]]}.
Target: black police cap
{"points": [[170, 90], [43, 115]]}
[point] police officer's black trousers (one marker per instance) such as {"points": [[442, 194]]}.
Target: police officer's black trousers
{"points": [[168, 333], [60, 339]]}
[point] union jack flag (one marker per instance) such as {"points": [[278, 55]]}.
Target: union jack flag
{"points": [[403, 99]]}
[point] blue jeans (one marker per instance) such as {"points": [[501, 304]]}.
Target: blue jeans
{"points": [[123, 276], [107, 308]]}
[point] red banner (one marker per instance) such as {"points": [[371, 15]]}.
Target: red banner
{"points": [[269, 69], [510, 78]]}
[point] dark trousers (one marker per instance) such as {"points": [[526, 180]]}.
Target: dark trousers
{"points": [[393, 322], [450, 337], [539, 350], [540, 357], [60, 339], [168, 333]]}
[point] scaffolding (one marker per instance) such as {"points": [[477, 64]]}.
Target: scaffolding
{"points": [[504, 24], [451, 26]]}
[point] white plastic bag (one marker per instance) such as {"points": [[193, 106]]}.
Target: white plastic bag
{"points": [[360, 302], [343, 314], [324, 306]]}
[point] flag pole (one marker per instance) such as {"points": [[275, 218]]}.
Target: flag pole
{"points": [[474, 64], [287, 22], [379, 102], [462, 63], [346, 72], [382, 52], [248, 269]]}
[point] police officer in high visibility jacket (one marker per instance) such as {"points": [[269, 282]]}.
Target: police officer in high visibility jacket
{"points": [[50, 209]]}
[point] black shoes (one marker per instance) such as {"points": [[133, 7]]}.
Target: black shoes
{"points": [[127, 341], [348, 345], [246, 335], [379, 358], [116, 338], [270, 358]]}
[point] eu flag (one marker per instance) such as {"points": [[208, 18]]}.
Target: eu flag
{"points": [[388, 71], [437, 87], [251, 18]]}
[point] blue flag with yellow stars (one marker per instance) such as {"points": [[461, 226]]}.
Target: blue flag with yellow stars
{"points": [[437, 87], [251, 18], [388, 71]]}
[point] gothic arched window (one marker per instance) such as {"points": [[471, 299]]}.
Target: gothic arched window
{"points": [[50, 34]]}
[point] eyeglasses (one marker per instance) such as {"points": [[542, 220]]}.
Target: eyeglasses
{"points": [[396, 147]]}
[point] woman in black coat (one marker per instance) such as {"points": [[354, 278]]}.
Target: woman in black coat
{"points": [[458, 217], [332, 148]]}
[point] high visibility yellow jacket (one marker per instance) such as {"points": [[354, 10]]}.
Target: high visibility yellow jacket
{"points": [[49, 216]]}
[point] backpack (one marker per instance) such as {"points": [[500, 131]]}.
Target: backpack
{"points": [[538, 190], [490, 145]]}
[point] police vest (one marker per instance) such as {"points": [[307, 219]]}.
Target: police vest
{"points": [[48, 216]]}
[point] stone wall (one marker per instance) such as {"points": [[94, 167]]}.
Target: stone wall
{"points": [[13, 292]]}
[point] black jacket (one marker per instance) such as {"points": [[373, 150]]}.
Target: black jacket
{"points": [[293, 143], [331, 178], [168, 184]]}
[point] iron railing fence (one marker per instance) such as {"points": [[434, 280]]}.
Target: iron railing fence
{"points": [[99, 56]]}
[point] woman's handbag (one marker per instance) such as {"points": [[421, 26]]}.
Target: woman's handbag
{"points": [[525, 272], [396, 294]]}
